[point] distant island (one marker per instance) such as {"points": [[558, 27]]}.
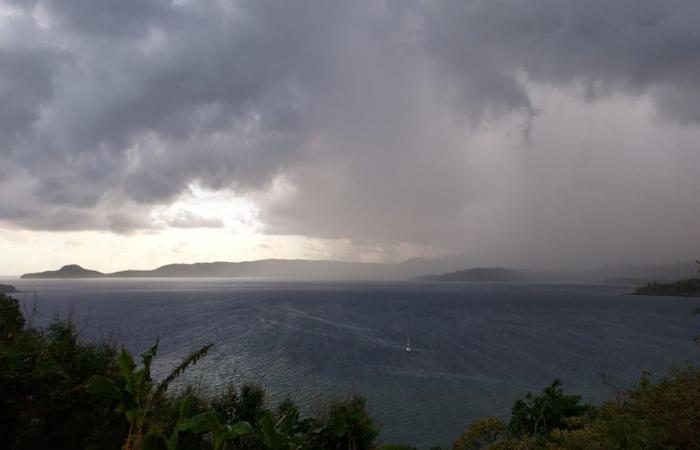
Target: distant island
{"points": [[69, 271], [269, 268], [689, 287], [7, 289], [441, 268], [479, 274], [682, 288], [290, 269]]}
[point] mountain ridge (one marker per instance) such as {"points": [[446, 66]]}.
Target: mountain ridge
{"points": [[282, 268], [442, 268]]}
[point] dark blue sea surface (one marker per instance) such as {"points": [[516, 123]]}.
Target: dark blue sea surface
{"points": [[477, 346]]}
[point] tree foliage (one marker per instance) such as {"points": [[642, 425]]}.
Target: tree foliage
{"points": [[42, 403], [482, 434], [540, 414]]}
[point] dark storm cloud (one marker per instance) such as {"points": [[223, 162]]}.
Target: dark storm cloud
{"points": [[25, 78], [98, 17], [631, 45], [370, 111], [180, 93]]}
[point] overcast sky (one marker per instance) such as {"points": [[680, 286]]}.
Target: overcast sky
{"points": [[539, 133]]}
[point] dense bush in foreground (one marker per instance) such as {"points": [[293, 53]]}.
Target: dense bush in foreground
{"points": [[59, 393], [42, 402], [654, 415]]}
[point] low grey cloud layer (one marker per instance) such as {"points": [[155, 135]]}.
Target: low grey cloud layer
{"points": [[505, 128]]}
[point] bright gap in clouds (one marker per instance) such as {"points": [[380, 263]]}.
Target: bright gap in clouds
{"points": [[200, 226]]}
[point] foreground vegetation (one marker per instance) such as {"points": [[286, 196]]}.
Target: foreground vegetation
{"points": [[57, 392]]}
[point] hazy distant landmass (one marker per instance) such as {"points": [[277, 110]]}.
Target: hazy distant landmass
{"points": [[643, 274], [480, 274], [7, 289], [411, 269], [683, 288], [272, 268], [686, 287], [298, 269], [278, 268]]}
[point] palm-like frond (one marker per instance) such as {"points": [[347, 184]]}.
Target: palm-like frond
{"points": [[189, 360]]}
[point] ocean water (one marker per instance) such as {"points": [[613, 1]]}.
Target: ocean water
{"points": [[477, 346]]}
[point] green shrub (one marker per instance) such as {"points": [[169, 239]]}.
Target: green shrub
{"points": [[661, 414], [347, 425], [42, 373], [11, 318], [539, 415], [482, 434]]}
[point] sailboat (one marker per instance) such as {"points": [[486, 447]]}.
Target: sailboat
{"points": [[408, 344]]}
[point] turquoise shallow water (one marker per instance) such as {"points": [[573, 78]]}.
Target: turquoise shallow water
{"points": [[477, 347]]}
